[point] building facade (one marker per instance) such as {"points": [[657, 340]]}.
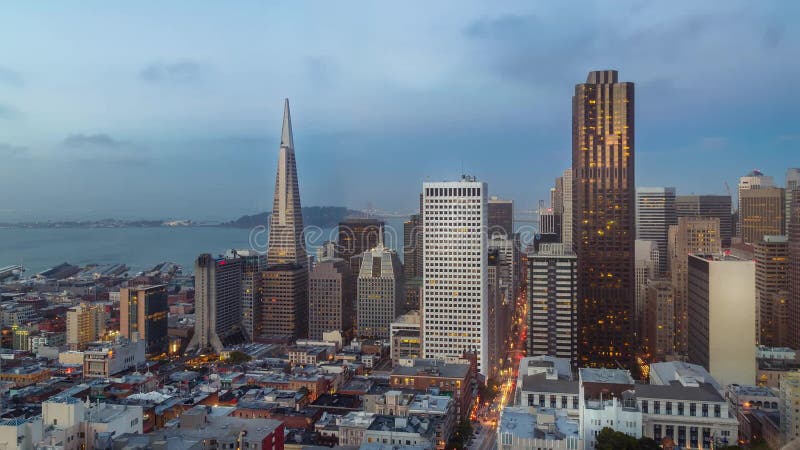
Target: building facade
{"points": [[722, 317], [771, 254], [144, 311], [331, 298], [709, 206], [603, 150], [85, 323], [454, 302], [761, 213], [380, 292], [501, 217], [655, 212], [691, 235], [284, 302], [552, 302], [217, 302]]}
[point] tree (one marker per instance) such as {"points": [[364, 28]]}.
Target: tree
{"points": [[608, 439], [646, 443], [237, 357], [461, 435]]}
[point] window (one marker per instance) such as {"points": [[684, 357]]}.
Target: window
{"points": [[669, 408], [656, 407], [680, 408], [717, 411], [645, 404], [692, 409], [705, 410], [574, 402]]}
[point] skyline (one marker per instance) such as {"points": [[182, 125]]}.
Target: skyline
{"points": [[483, 87]]}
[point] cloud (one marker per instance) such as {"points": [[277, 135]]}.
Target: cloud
{"points": [[10, 77], [9, 112], [179, 72], [92, 141], [12, 151]]}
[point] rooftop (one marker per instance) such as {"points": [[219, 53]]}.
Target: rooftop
{"points": [[610, 376], [540, 383], [705, 392], [544, 424]]}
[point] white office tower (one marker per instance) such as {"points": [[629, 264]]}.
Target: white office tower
{"points": [[454, 295], [646, 267], [553, 302], [380, 292], [655, 212]]}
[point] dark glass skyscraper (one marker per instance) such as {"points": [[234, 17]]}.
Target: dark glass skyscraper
{"points": [[604, 218], [708, 206]]}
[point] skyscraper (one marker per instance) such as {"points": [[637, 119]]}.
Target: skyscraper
{"points": [[772, 284], [284, 285], [761, 213], [647, 256], [660, 318], [552, 302], [331, 298], [454, 296], [604, 220], [499, 313], [217, 303], [286, 237], [252, 264], [690, 235], [357, 235], [412, 261], [792, 183], [284, 302], [753, 180], [380, 292], [655, 212], [794, 271], [501, 216], [709, 206], [143, 310], [567, 212]]}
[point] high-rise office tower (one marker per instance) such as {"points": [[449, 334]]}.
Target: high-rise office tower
{"points": [[85, 323], [567, 213], [647, 257], [753, 180], [690, 235], [252, 264], [507, 261], [499, 313], [792, 183], [655, 212], [709, 206], [358, 235], [604, 217], [557, 196], [331, 298], [659, 326], [552, 302], [761, 213], [772, 283], [217, 303], [284, 285], [143, 310], [412, 261], [283, 290], [501, 216], [286, 237], [380, 292], [454, 295], [722, 317], [794, 271]]}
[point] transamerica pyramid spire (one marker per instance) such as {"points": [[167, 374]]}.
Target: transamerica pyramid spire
{"points": [[286, 237]]}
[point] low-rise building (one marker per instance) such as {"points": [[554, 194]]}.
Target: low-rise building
{"points": [[308, 355], [525, 428], [421, 374], [403, 431], [104, 359]]}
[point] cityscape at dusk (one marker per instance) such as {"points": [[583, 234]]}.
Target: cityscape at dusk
{"points": [[457, 225]]}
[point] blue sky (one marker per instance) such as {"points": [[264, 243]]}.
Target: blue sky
{"points": [[172, 109]]}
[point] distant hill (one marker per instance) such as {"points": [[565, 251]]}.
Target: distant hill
{"points": [[320, 216]]}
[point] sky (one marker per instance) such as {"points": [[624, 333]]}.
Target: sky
{"points": [[155, 110]]}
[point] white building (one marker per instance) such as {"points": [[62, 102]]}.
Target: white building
{"points": [[655, 212], [722, 317], [380, 292], [20, 434], [103, 359], [552, 302], [454, 299], [607, 399], [526, 428]]}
